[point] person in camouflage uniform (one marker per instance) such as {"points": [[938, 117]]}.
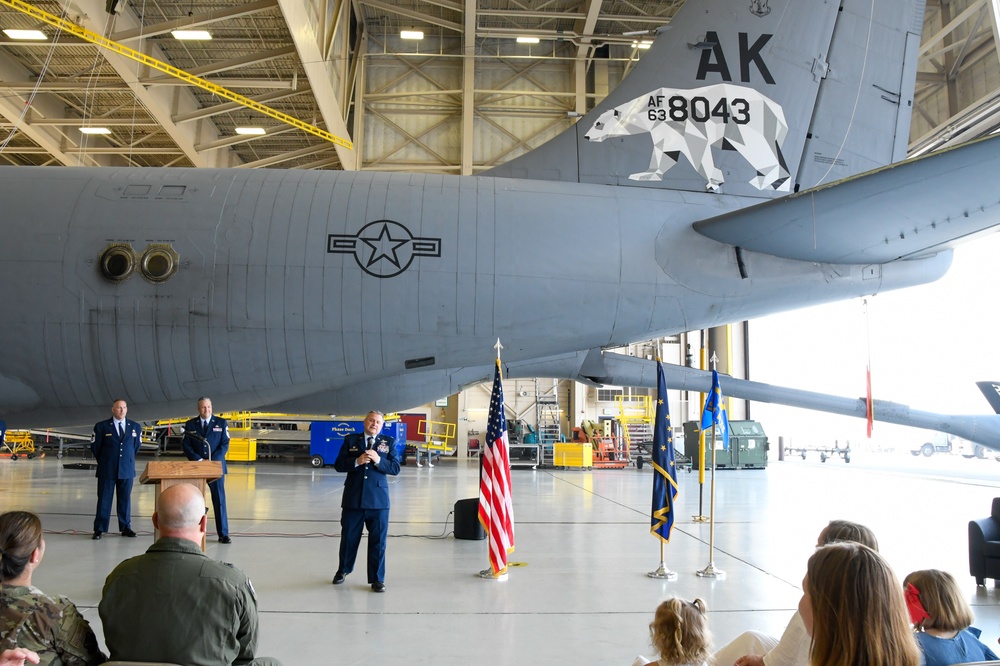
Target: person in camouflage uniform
{"points": [[29, 618]]}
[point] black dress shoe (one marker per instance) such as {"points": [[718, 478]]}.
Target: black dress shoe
{"points": [[127, 532], [339, 578], [97, 536], [225, 539], [378, 587]]}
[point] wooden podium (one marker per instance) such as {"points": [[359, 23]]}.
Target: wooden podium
{"points": [[171, 472]]}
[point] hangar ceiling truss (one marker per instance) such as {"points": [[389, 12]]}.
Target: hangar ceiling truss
{"points": [[466, 97]]}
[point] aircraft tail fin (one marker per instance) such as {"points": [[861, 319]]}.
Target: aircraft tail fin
{"points": [[991, 390], [753, 98]]}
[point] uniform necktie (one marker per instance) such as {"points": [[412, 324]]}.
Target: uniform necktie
{"points": [[121, 430], [371, 441]]}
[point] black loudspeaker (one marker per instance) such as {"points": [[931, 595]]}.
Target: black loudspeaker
{"points": [[467, 520]]}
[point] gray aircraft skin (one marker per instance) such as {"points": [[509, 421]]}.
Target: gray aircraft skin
{"points": [[739, 170]]}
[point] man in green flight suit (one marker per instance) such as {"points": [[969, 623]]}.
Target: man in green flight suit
{"points": [[174, 604]]}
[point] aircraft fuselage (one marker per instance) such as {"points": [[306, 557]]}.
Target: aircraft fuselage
{"points": [[324, 290]]}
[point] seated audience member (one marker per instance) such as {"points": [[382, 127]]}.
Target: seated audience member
{"points": [[754, 648], [852, 606], [175, 604], [17, 657], [50, 626], [942, 618], [680, 634]]}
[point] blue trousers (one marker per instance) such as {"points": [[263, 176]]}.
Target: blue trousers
{"points": [[106, 490], [218, 490], [351, 522]]}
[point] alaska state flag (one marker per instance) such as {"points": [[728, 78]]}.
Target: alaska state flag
{"points": [[664, 470]]}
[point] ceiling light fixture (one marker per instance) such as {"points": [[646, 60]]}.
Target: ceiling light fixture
{"points": [[644, 44], [95, 130], [192, 35], [411, 34], [36, 35], [251, 131], [527, 40]]}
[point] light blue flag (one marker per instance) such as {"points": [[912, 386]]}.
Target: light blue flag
{"points": [[715, 411]]}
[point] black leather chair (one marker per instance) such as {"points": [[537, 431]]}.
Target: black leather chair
{"points": [[984, 546]]}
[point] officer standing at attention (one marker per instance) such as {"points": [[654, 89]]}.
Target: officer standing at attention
{"points": [[367, 458], [114, 445], [206, 437]]}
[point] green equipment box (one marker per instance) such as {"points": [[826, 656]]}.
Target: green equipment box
{"points": [[748, 446]]}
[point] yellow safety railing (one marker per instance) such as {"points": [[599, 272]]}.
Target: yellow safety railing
{"points": [[121, 49], [633, 409], [437, 434]]}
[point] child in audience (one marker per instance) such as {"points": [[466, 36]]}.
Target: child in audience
{"points": [[754, 648], [680, 634], [852, 606], [941, 617]]}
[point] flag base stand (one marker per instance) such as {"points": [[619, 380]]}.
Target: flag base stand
{"points": [[700, 519], [663, 573], [488, 573], [711, 572]]}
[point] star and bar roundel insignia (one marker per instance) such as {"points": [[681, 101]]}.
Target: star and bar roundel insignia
{"points": [[383, 248]]}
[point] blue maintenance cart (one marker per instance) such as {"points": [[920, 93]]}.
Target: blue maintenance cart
{"points": [[326, 438]]}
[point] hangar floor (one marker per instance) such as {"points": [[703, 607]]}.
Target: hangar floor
{"points": [[579, 594]]}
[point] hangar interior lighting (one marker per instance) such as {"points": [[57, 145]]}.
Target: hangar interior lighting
{"points": [[36, 35], [644, 44], [411, 34], [192, 35], [251, 131], [527, 40], [95, 130]]}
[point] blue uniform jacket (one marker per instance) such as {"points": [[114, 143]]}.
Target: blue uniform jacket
{"points": [[366, 486], [115, 455], [217, 436]]}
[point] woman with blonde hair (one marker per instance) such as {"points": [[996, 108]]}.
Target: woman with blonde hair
{"points": [[29, 618], [679, 631], [942, 618], [852, 606]]}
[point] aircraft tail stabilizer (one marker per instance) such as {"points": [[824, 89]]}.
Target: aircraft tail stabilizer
{"points": [[755, 99], [991, 390]]}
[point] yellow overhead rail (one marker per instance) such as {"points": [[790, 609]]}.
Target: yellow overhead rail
{"points": [[158, 65]]}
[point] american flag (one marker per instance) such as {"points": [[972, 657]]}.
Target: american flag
{"points": [[664, 469], [496, 511]]}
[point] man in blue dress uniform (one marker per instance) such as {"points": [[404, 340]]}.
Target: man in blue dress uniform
{"points": [[206, 437], [114, 445], [367, 458]]}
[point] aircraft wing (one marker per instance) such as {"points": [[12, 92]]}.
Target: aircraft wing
{"points": [[602, 367], [912, 208]]}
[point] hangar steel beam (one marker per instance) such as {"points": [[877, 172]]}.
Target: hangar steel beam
{"points": [[49, 138], [468, 86], [417, 16], [226, 65], [115, 51], [584, 51], [207, 18], [304, 19]]}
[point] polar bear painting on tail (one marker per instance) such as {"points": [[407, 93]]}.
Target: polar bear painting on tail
{"points": [[692, 122]]}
